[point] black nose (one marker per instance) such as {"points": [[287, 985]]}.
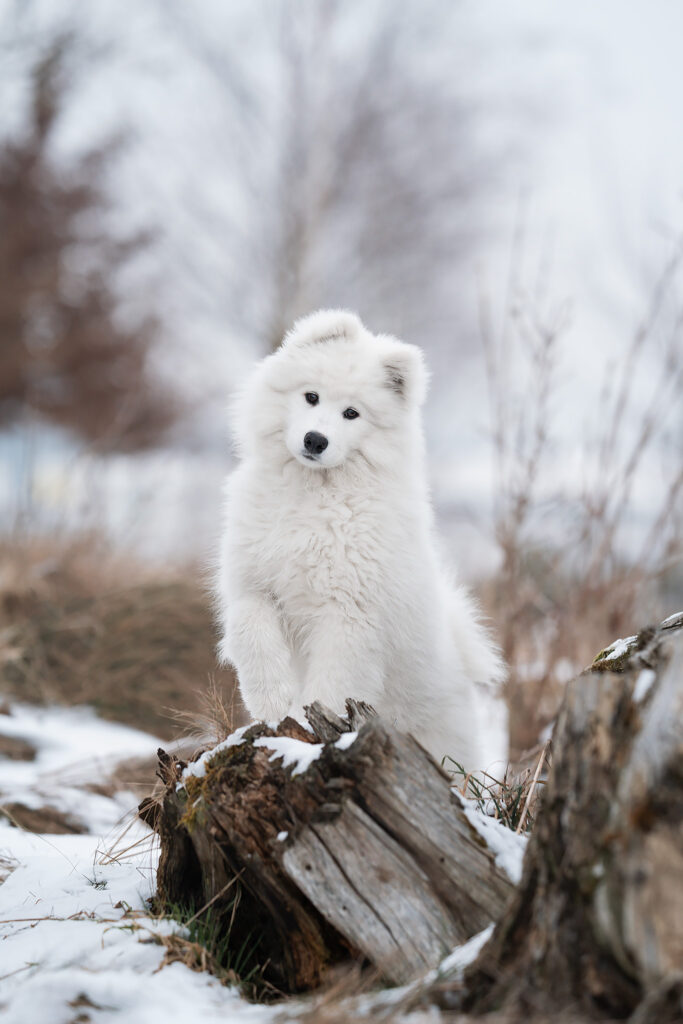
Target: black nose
{"points": [[315, 443]]}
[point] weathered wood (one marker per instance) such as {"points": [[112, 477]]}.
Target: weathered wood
{"points": [[430, 824], [365, 854], [597, 921], [358, 712], [326, 725], [364, 885]]}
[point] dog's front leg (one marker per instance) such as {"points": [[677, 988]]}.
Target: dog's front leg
{"points": [[344, 659], [255, 644]]}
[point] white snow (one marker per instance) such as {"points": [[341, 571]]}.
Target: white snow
{"points": [[74, 747], [198, 768], [451, 967], [619, 648], [63, 939], [293, 752], [507, 847], [462, 956], [75, 932], [643, 685], [345, 740]]}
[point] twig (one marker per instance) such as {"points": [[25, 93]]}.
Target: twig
{"points": [[26, 967], [109, 857], [532, 787], [213, 899]]}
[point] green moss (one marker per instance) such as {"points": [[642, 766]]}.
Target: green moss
{"points": [[196, 789], [604, 662]]}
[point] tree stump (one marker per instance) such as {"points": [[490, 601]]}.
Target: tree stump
{"points": [[597, 921], [345, 842]]}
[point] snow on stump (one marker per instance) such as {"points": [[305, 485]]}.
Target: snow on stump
{"points": [[344, 843], [596, 924]]}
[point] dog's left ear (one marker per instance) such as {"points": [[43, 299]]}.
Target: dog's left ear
{"points": [[405, 372]]}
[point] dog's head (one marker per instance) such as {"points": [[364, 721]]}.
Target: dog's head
{"points": [[331, 393]]}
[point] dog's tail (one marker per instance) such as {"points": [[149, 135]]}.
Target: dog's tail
{"points": [[484, 665], [480, 655]]}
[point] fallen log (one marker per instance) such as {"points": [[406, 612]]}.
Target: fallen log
{"points": [[596, 924], [344, 842]]}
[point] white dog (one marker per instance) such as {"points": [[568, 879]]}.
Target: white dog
{"points": [[330, 583]]}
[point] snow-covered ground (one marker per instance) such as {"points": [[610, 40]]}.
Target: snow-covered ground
{"points": [[76, 935], [74, 749], [75, 932]]}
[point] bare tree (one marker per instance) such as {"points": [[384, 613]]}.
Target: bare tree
{"points": [[65, 351], [570, 572], [356, 165]]}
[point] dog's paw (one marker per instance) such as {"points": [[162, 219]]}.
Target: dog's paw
{"points": [[297, 712], [267, 703]]}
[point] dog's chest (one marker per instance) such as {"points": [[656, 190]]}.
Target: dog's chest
{"points": [[320, 547]]}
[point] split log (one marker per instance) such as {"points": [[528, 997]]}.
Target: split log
{"points": [[364, 853], [597, 921]]}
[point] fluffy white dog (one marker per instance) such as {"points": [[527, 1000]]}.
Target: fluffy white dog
{"points": [[330, 583]]}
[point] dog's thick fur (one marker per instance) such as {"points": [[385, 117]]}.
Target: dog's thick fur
{"points": [[330, 583]]}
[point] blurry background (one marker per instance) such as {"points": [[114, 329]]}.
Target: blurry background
{"points": [[499, 183]]}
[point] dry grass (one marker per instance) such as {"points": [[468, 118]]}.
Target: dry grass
{"points": [[571, 577], [512, 800], [218, 713], [79, 625], [7, 865], [45, 819]]}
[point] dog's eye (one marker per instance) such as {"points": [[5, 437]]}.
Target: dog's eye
{"points": [[311, 398], [350, 414]]}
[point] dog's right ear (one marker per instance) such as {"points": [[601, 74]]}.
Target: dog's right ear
{"points": [[404, 371], [325, 325]]}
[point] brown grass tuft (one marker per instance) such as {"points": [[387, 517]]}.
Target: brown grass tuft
{"points": [[41, 819], [81, 626], [512, 800]]}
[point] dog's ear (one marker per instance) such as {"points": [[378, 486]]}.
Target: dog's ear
{"points": [[325, 325], [405, 373]]}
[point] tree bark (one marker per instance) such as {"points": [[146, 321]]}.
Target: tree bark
{"points": [[366, 854], [597, 921]]}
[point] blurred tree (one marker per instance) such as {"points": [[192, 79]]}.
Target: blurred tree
{"points": [[360, 175], [66, 353], [376, 176]]}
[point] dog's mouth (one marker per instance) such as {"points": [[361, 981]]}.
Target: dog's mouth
{"points": [[314, 461]]}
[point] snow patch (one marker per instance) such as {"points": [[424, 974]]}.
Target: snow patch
{"points": [[452, 967], [507, 847], [293, 752], [643, 685], [619, 648], [345, 740], [73, 748], [281, 836], [74, 924], [197, 769], [462, 956]]}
